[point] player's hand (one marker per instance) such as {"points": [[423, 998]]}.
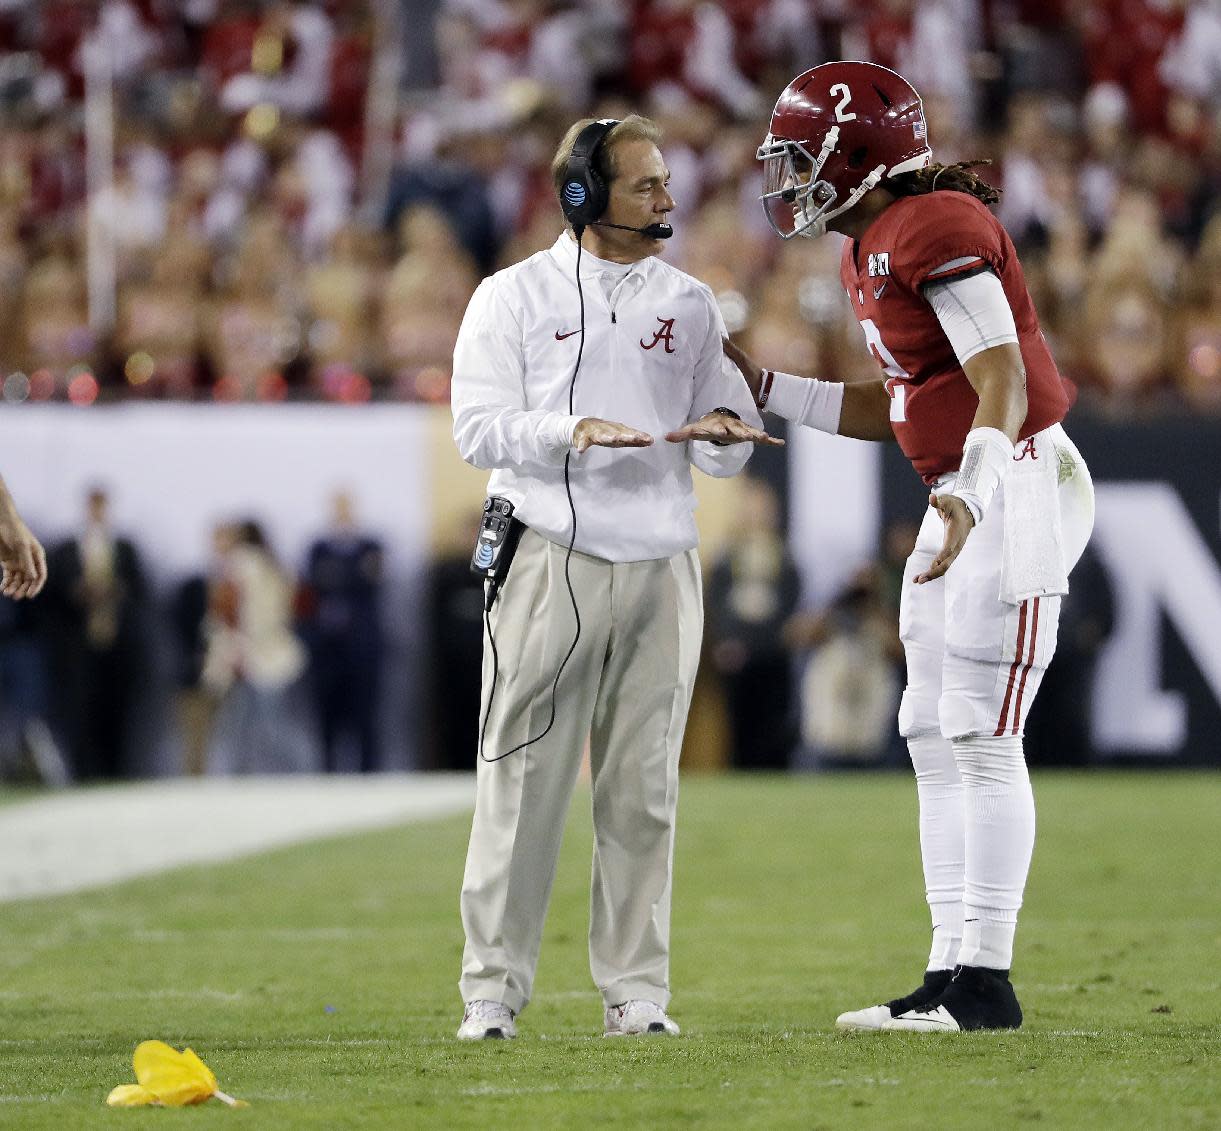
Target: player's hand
{"points": [[23, 561], [958, 524], [752, 373], [723, 429], [595, 433]]}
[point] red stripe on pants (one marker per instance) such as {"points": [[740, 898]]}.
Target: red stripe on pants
{"points": [[1034, 633], [1021, 640]]}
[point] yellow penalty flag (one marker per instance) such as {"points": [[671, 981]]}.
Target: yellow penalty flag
{"points": [[168, 1078]]}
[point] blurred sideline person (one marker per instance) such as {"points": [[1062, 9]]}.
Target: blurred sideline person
{"points": [[614, 387], [192, 610], [753, 590], [972, 395], [344, 578], [97, 602], [850, 686], [255, 665], [455, 617]]}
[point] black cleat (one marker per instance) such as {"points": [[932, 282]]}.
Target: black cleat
{"points": [[976, 998]]}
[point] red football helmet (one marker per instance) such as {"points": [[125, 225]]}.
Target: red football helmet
{"points": [[837, 130]]}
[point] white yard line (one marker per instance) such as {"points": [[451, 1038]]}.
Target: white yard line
{"points": [[92, 837]]}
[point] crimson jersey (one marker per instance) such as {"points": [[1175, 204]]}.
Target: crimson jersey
{"points": [[920, 240]]}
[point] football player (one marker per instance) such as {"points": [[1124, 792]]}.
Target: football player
{"points": [[973, 397]]}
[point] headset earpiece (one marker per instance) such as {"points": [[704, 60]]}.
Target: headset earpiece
{"points": [[585, 195]]}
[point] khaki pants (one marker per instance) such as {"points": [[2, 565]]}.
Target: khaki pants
{"points": [[627, 687]]}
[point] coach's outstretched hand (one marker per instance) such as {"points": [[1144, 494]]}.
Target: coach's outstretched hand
{"points": [[594, 433], [723, 429], [22, 558], [958, 524]]}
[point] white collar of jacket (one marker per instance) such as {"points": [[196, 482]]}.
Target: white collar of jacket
{"points": [[565, 251]]}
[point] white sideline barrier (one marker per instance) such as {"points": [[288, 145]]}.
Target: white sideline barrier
{"points": [[175, 470]]}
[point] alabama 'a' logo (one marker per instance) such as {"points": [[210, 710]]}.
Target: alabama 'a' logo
{"points": [[664, 334], [1027, 449]]}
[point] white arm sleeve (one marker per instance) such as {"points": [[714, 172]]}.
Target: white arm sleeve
{"points": [[806, 400], [974, 313]]}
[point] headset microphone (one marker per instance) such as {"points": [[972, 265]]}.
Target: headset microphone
{"points": [[653, 231]]}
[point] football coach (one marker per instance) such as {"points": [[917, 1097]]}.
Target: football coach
{"points": [[588, 379]]}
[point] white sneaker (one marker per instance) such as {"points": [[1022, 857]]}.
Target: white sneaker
{"points": [[872, 1019], [878, 1017], [487, 1020], [637, 1018]]}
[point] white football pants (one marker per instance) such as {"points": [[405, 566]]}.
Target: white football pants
{"points": [[974, 665]]}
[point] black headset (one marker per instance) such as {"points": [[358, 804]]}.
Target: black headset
{"points": [[585, 194]]}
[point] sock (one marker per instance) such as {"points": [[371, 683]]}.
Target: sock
{"points": [[947, 935], [1000, 826], [940, 791]]}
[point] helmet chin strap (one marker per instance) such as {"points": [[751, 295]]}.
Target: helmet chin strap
{"points": [[828, 147], [818, 227]]}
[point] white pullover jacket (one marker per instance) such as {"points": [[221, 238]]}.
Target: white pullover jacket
{"points": [[652, 359]]}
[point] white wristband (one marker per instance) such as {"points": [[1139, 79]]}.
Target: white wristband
{"points": [[986, 456], [806, 400]]}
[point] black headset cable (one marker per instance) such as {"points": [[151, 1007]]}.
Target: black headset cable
{"points": [[576, 612]]}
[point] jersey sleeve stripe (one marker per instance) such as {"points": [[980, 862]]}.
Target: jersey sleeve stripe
{"points": [[955, 268], [955, 276], [954, 264]]}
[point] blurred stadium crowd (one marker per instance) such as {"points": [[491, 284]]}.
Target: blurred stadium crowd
{"points": [[300, 195]]}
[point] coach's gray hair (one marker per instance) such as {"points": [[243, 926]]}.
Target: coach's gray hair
{"points": [[633, 128]]}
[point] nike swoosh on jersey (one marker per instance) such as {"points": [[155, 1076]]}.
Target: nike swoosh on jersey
{"points": [[560, 337]]}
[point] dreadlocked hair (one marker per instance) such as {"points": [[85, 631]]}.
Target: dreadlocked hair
{"points": [[954, 178]]}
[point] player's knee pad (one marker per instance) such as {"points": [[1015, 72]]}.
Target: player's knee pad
{"points": [[917, 713], [982, 697], [957, 716]]}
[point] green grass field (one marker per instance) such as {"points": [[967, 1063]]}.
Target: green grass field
{"points": [[319, 981]]}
